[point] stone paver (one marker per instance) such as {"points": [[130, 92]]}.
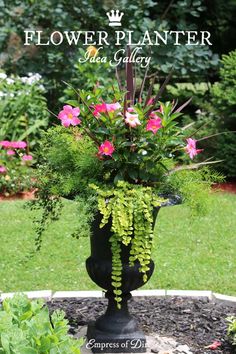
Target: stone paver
{"points": [[230, 300], [158, 292], [77, 294], [190, 293], [41, 294]]}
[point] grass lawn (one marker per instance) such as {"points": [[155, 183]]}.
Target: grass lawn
{"points": [[190, 253]]}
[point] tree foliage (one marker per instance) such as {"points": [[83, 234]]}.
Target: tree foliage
{"points": [[57, 62]]}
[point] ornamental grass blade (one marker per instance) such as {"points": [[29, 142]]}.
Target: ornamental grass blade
{"points": [[118, 80], [51, 113], [197, 130], [183, 106], [135, 83], [211, 136], [160, 92], [125, 104], [143, 84], [79, 95], [129, 79], [156, 99], [149, 95], [174, 106], [187, 126], [193, 166]]}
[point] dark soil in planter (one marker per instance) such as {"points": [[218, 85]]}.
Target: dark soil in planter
{"points": [[195, 322]]}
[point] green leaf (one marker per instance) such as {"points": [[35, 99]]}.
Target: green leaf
{"points": [[26, 315], [28, 350], [117, 292], [118, 177], [144, 175], [73, 103], [102, 131], [133, 174]]}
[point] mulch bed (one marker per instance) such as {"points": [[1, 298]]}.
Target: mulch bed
{"points": [[195, 322], [229, 187], [30, 195]]}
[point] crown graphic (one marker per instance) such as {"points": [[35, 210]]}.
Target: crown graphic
{"points": [[114, 18]]}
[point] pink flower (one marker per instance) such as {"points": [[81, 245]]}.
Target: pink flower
{"points": [[111, 107], [18, 144], [13, 144], [153, 125], [105, 107], [99, 108], [130, 109], [10, 152], [5, 144], [68, 116], [106, 148], [3, 169], [22, 144], [191, 148], [27, 157], [132, 119]]}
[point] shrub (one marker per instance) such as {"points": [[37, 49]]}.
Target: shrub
{"points": [[222, 113], [23, 108], [15, 172], [223, 92], [217, 117], [27, 328], [232, 329], [68, 162], [56, 63], [193, 187], [89, 76]]}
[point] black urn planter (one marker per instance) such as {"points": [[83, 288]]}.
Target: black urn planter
{"points": [[116, 331]]}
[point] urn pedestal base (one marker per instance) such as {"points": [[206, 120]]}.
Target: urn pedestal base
{"points": [[103, 342], [116, 331]]}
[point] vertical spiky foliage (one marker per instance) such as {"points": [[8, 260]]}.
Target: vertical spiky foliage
{"points": [[129, 80]]}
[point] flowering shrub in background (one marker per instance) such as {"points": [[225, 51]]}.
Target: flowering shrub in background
{"points": [[23, 108], [15, 171]]}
